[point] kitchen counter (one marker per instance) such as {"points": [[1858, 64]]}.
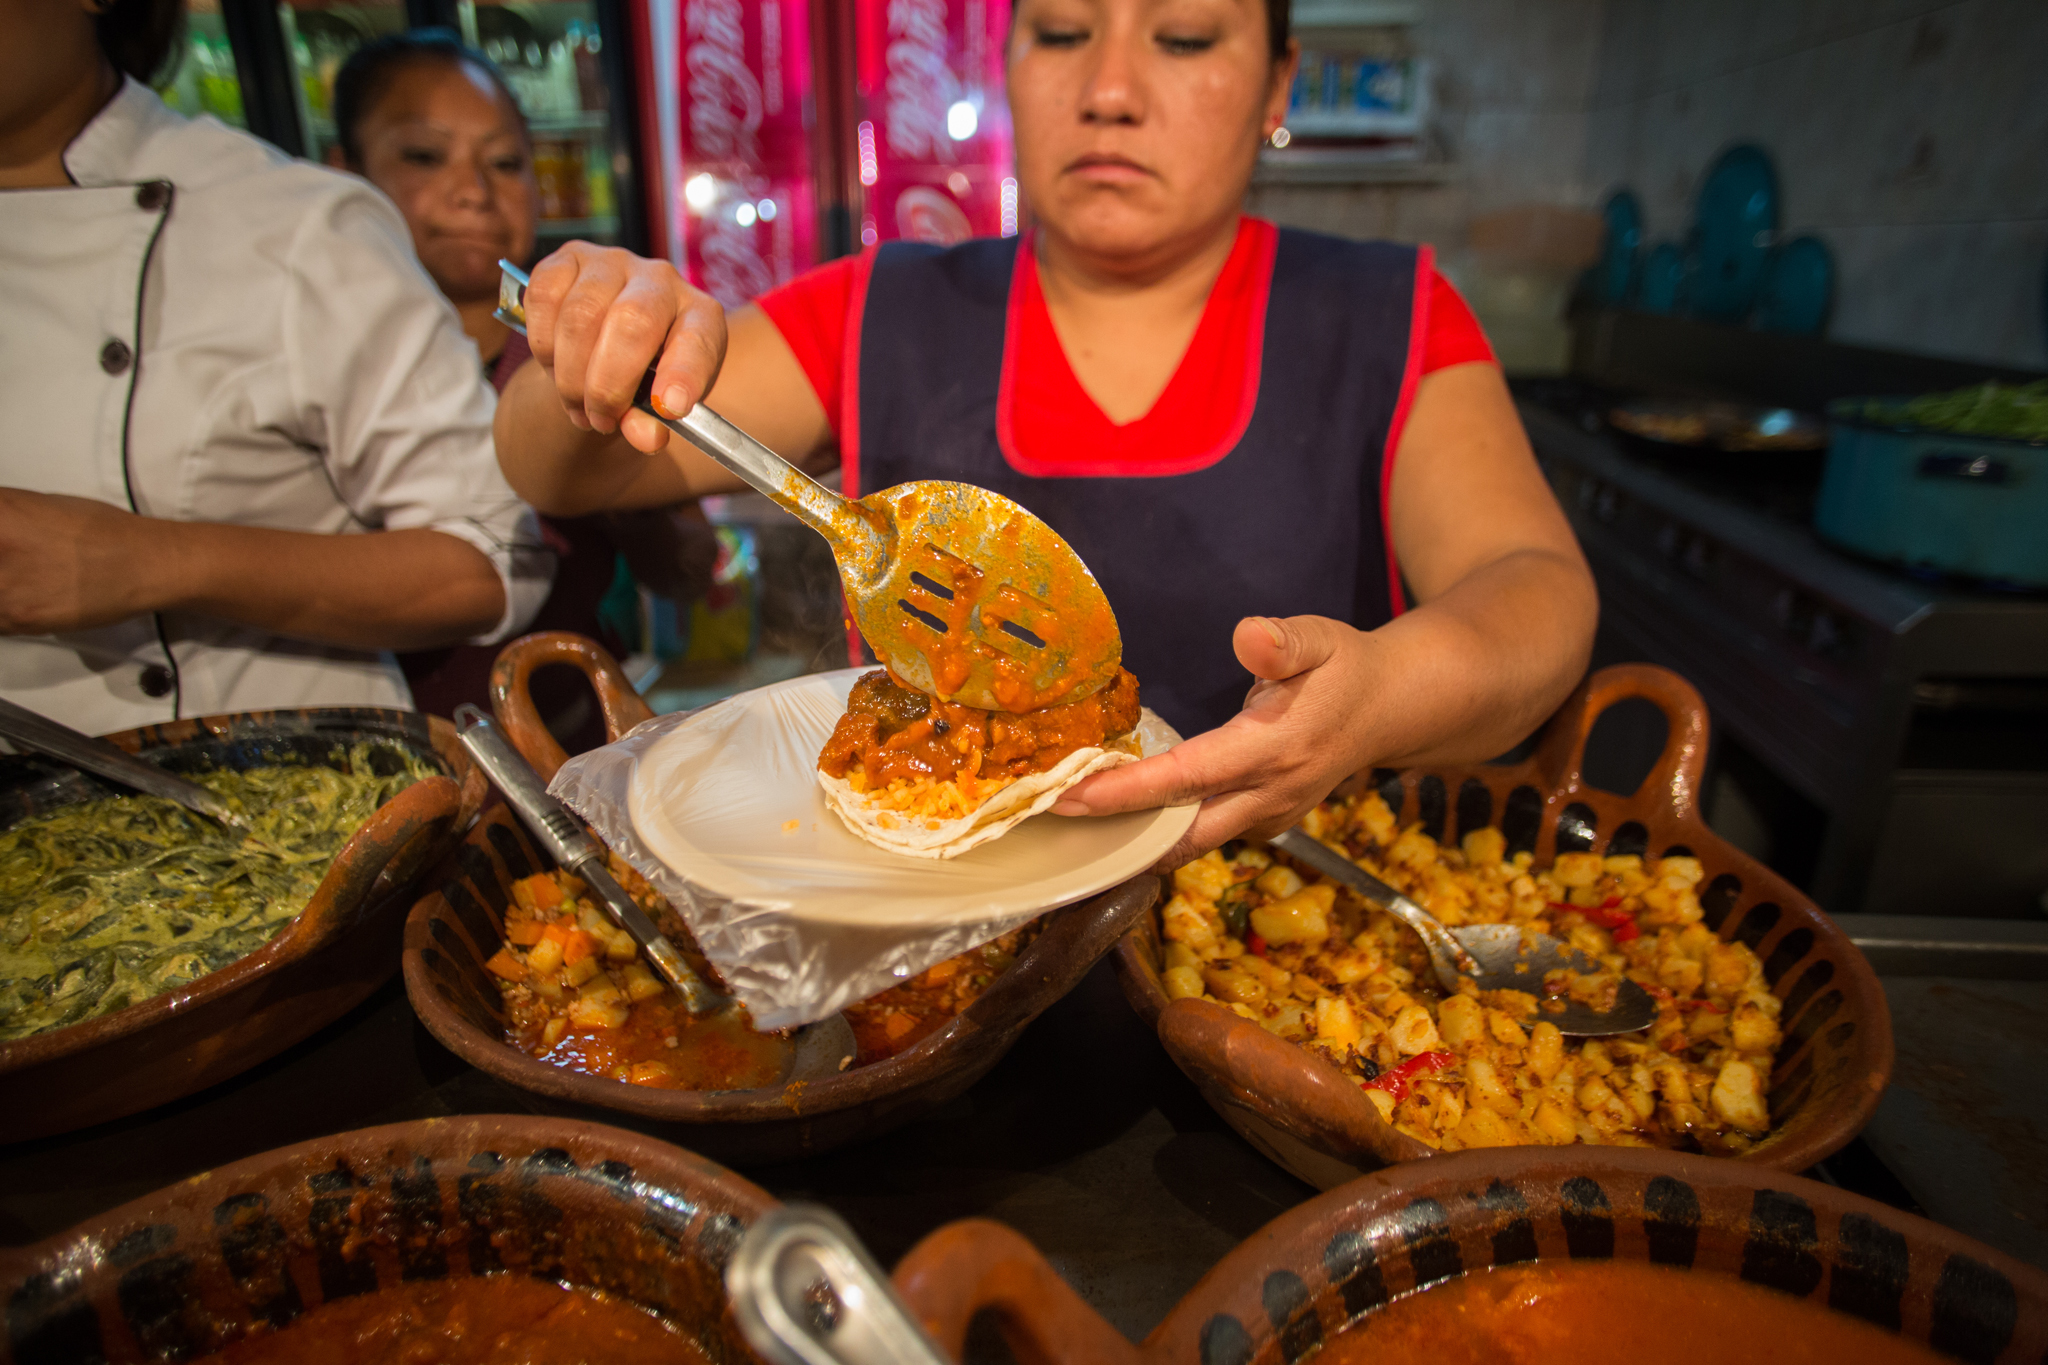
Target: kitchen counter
{"points": [[1088, 1140], [1964, 1125]]}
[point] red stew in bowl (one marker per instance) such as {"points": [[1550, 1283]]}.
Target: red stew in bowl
{"points": [[1613, 1313], [489, 1320]]}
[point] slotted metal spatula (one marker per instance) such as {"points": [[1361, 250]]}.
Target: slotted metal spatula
{"points": [[1499, 957], [962, 592]]}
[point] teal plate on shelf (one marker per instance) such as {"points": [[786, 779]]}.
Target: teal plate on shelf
{"points": [[1734, 227], [1624, 240]]}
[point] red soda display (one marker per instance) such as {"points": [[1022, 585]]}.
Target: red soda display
{"points": [[732, 81], [932, 137]]}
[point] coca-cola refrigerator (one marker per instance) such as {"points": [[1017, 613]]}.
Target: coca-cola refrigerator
{"points": [[782, 133], [747, 140]]}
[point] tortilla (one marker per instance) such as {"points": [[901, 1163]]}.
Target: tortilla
{"points": [[913, 836]]}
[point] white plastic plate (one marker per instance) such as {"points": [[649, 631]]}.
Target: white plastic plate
{"points": [[730, 801]]}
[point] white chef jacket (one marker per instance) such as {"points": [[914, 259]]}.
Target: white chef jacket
{"points": [[205, 329]]}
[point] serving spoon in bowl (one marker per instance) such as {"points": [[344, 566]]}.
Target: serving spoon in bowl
{"points": [[813, 1052], [1499, 957], [37, 731], [961, 592]]}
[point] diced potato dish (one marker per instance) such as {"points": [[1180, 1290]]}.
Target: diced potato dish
{"points": [[1319, 966]]}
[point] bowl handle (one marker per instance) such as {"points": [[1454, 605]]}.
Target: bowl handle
{"points": [[975, 1264], [1284, 1084], [389, 850], [512, 700], [1674, 780]]}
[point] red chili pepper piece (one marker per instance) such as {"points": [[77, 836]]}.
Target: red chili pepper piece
{"points": [[1255, 945], [1607, 917], [1395, 1079]]}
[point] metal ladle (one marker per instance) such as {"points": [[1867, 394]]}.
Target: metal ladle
{"points": [[1499, 957], [805, 1292]]}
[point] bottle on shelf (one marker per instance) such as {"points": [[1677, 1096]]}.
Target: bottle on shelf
{"points": [[584, 45], [220, 92]]}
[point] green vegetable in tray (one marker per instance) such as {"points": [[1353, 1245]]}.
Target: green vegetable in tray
{"points": [[2014, 412], [109, 902]]}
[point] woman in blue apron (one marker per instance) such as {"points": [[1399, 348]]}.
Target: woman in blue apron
{"points": [[1271, 446]]}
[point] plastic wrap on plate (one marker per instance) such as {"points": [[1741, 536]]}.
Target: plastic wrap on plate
{"points": [[721, 810]]}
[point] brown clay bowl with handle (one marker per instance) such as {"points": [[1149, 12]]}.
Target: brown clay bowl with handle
{"points": [[186, 1270], [1310, 1273], [456, 928], [1837, 1053], [342, 946]]}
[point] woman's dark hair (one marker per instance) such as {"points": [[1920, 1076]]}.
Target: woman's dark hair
{"points": [[1279, 26], [368, 74], [141, 37]]}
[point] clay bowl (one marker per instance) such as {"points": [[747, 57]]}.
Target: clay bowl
{"points": [[185, 1270], [1837, 1053], [456, 927], [1315, 1270], [318, 967]]}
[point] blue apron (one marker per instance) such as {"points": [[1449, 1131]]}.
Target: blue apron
{"points": [[1290, 522]]}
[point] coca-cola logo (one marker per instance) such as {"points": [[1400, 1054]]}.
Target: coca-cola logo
{"points": [[725, 97], [733, 269], [920, 87], [726, 109], [924, 214]]}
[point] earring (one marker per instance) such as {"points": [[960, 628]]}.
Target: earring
{"points": [[1279, 137]]}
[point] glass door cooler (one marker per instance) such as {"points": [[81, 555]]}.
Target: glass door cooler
{"points": [[270, 68], [747, 140], [786, 132]]}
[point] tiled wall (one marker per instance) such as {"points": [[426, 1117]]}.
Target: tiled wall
{"points": [[1515, 81], [1910, 135]]}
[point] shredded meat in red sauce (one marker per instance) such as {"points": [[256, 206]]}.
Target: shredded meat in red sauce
{"points": [[892, 731]]}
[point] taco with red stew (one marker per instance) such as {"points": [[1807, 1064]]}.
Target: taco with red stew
{"points": [[918, 775]]}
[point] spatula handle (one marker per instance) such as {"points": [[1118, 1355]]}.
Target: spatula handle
{"points": [[859, 543], [1446, 953], [774, 477]]}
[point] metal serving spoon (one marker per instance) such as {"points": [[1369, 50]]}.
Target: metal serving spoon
{"points": [[959, 590], [806, 1293], [1500, 957], [39, 732], [814, 1051]]}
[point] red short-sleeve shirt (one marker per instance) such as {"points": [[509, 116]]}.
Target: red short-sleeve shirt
{"points": [[1050, 426]]}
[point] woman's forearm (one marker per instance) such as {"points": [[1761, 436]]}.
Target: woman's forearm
{"points": [[413, 589], [597, 319], [1472, 673], [564, 471]]}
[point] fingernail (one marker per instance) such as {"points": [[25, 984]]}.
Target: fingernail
{"points": [[674, 401], [1273, 631], [1069, 806]]}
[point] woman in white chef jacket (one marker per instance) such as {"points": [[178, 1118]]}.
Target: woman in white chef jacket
{"points": [[245, 447]]}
